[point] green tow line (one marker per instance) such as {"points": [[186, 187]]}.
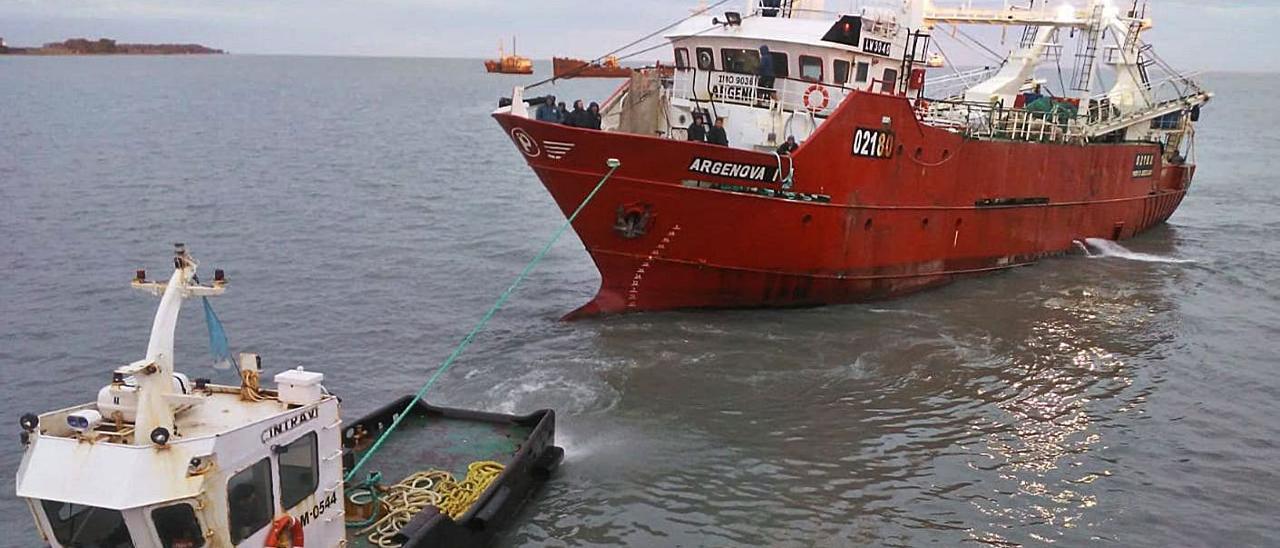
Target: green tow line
{"points": [[466, 341]]}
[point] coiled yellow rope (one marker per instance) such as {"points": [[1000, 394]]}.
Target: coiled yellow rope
{"points": [[250, 386], [404, 500]]}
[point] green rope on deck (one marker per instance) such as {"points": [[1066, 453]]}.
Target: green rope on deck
{"points": [[466, 341]]}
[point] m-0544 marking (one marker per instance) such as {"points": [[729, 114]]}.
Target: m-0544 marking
{"points": [[318, 510], [872, 143]]}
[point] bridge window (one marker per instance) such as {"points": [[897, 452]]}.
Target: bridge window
{"points": [[864, 72], [299, 470], [741, 61], [249, 500], [79, 525], [706, 59], [178, 527], [841, 71], [682, 57], [811, 68]]}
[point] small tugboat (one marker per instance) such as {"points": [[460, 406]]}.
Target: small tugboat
{"points": [[159, 460], [803, 154], [565, 68], [509, 64]]}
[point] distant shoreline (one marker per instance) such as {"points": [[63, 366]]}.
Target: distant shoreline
{"points": [[106, 46]]}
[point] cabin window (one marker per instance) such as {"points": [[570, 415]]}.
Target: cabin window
{"points": [[864, 72], [682, 58], [299, 470], [1168, 121], [249, 499], [741, 61], [811, 68], [178, 527], [79, 525], [706, 59], [780, 68], [890, 82], [841, 72]]}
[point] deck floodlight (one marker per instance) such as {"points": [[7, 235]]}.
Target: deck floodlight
{"points": [[160, 436], [731, 19]]}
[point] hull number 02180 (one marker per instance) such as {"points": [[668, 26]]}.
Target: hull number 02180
{"points": [[872, 143]]}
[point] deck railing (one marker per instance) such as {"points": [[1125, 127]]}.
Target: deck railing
{"points": [[993, 121], [711, 89]]}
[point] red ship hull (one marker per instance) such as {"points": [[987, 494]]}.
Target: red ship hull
{"points": [[674, 228]]}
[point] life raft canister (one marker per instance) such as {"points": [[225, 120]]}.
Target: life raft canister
{"points": [[917, 79], [285, 527], [809, 102]]}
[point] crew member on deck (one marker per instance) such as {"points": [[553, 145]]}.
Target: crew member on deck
{"points": [[593, 116], [547, 111], [562, 111], [577, 118], [698, 129], [765, 74], [785, 149], [717, 135]]}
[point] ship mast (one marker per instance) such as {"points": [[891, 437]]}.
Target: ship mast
{"points": [[154, 374]]}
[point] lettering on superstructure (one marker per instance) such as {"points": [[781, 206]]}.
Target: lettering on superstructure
{"points": [[290, 423], [318, 510]]}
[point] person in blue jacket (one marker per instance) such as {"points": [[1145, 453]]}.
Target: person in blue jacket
{"points": [[547, 111]]}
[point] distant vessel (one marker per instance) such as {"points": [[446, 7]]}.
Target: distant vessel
{"points": [[897, 186], [509, 64], [576, 68]]}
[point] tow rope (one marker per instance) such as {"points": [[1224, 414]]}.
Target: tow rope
{"points": [[466, 341]]}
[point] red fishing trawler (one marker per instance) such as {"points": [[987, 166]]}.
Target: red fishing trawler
{"points": [[509, 64], [565, 68], [905, 178]]}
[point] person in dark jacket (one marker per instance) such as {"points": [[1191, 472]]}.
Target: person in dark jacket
{"points": [[547, 111], [562, 111], [785, 149], [698, 129], [593, 116], [717, 135], [765, 74], [577, 118]]}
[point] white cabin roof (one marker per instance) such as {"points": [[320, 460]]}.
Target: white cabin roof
{"points": [[69, 467], [107, 475]]}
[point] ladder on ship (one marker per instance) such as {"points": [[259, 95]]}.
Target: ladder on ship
{"points": [[1087, 53]]}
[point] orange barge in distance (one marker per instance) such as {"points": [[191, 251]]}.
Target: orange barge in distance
{"points": [[576, 68], [509, 64]]}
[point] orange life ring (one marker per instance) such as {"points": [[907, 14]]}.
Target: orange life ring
{"points": [[285, 527], [826, 98]]}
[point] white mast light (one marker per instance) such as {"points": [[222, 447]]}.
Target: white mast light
{"points": [[1066, 13]]}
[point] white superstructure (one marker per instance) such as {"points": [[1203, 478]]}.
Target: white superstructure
{"points": [[1114, 88], [158, 460]]}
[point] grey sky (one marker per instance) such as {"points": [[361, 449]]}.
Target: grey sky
{"points": [[1233, 35]]}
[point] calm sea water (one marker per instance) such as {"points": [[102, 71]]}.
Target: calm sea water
{"points": [[367, 211]]}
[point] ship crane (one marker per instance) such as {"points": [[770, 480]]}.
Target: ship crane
{"points": [[1132, 100]]}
